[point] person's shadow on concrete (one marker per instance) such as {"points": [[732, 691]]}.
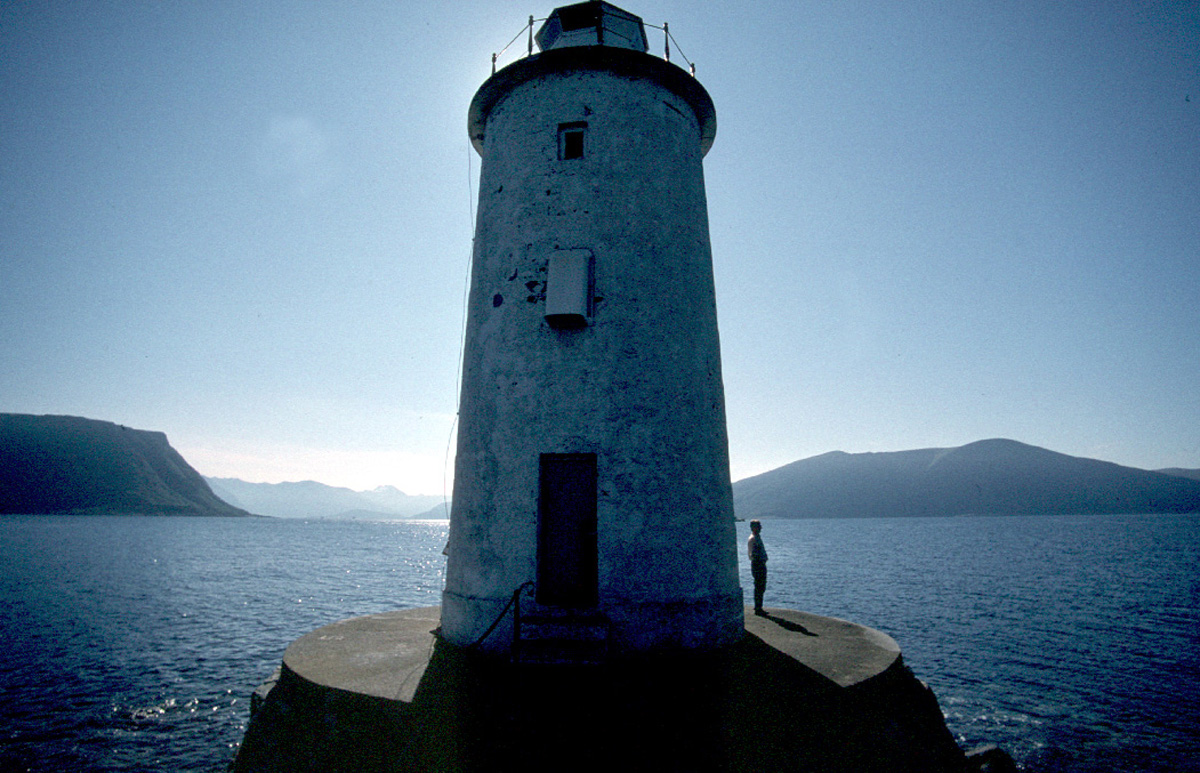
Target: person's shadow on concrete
{"points": [[787, 624]]}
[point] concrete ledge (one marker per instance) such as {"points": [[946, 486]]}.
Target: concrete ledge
{"points": [[799, 692], [845, 653], [382, 656]]}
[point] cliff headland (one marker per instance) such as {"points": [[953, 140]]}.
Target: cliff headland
{"points": [[68, 465]]}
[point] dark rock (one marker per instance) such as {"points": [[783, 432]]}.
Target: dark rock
{"points": [[990, 759]]}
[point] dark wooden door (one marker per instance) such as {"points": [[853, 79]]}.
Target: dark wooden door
{"points": [[566, 560]]}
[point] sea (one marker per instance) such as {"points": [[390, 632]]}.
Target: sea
{"points": [[132, 643]]}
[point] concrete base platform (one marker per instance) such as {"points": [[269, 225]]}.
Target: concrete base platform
{"points": [[799, 692]]}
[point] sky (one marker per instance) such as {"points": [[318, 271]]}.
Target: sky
{"points": [[248, 225]]}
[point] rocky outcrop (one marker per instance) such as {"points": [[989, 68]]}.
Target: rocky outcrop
{"points": [[73, 466]]}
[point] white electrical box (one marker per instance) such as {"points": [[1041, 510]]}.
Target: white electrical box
{"points": [[569, 288]]}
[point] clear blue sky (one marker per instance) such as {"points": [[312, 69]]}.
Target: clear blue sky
{"points": [[248, 224]]}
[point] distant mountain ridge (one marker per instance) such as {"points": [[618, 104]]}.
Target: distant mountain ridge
{"points": [[986, 477], [1181, 472], [72, 465], [309, 499]]}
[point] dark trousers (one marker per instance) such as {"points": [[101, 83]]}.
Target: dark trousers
{"points": [[760, 583]]}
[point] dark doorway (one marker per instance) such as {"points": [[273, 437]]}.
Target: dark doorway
{"points": [[566, 561]]}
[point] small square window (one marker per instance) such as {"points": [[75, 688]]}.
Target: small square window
{"points": [[570, 140]]}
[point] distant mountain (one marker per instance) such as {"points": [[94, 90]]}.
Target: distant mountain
{"points": [[1180, 472], [440, 510], [309, 499], [990, 476], [73, 465]]}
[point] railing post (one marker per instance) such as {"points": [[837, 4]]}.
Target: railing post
{"points": [[515, 651], [666, 41], [531, 35], [493, 64]]}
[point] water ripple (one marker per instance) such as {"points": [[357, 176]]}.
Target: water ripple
{"points": [[132, 644]]}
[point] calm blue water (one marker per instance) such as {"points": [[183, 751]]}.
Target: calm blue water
{"points": [[133, 644]]}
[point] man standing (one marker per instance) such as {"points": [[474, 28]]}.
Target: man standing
{"points": [[758, 564]]}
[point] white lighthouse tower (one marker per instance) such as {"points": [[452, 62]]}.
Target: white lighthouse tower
{"points": [[592, 466], [592, 510]]}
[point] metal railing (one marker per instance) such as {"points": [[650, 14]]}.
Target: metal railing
{"points": [[514, 603], [527, 30]]}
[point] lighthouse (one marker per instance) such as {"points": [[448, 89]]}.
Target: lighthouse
{"points": [[592, 523], [592, 471]]}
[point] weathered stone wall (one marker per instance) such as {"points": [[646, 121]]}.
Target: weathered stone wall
{"points": [[639, 385]]}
